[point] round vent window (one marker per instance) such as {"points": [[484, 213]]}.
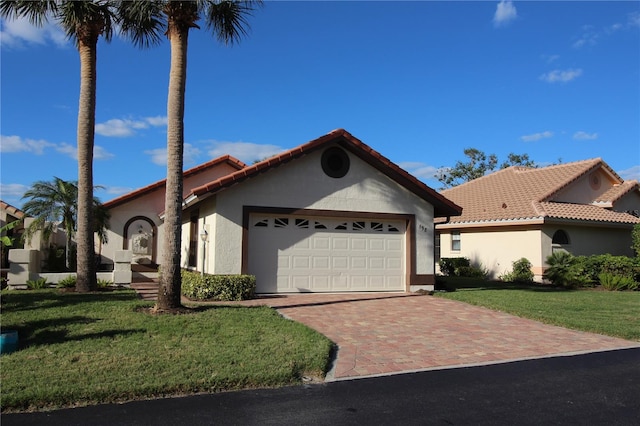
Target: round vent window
{"points": [[594, 180], [335, 162]]}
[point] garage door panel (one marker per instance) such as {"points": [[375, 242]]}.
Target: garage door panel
{"points": [[298, 254], [301, 262]]}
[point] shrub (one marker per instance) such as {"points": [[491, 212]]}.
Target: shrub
{"points": [[521, 272], [450, 265], [67, 282], [217, 287], [471, 272], [104, 283], [565, 271], [614, 282], [37, 284], [635, 237]]}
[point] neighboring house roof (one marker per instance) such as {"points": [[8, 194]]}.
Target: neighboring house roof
{"points": [[443, 207], [233, 162], [518, 194], [13, 211]]}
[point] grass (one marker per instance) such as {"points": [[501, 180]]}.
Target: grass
{"points": [[613, 313], [79, 349]]}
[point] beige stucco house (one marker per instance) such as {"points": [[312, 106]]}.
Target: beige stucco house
{"points": [[583, 207], [332, 215]]}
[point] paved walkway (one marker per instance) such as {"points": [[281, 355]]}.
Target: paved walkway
{"points": [[386, 333]]}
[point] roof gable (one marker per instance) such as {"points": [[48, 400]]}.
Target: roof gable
{"points": [[521, 193], [442, 206], [202, 168]]}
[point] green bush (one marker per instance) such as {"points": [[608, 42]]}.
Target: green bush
{"points": [[635, 238], [565, 271], [471, 272], [593, 266], [521, 272], [217, 287], [614, 282], [67, 282], [450, 266], [104, 283], [38, 284]]}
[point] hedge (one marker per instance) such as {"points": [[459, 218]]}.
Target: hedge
{"points": [[196, 286]]}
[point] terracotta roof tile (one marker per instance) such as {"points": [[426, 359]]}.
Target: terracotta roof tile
{"points": [[233, 162], [442, 205], [521, 193], [13, 211], [618, 191], [586, 212]]}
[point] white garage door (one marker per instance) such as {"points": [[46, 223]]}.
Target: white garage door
{"points": [[309, 254]]}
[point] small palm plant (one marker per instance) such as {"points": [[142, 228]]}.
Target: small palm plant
{"points": [[564, 270]]}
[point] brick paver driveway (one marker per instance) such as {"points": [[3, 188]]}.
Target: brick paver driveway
{"points": [[393, 332]]}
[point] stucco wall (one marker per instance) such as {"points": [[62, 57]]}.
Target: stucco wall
{"points": [[303, 184], [148, 205], [585, 189], [496, 250], [585, 241]]}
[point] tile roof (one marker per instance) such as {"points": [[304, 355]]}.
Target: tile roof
{"points": [[442, 205], [618, 191], [13, 211], [233, 162], [522, 193]]}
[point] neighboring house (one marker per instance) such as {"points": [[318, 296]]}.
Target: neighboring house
{"points": [[9, 214], [583, 207], [332, 215]]}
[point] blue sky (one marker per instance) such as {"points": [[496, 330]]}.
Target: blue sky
{"points": [[417, 81]]}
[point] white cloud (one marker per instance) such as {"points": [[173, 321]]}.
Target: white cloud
{"points": [[99, 153], [120, 128], [505, 13], [114, 191], [419, 170], [550, 58], [12, 190], [18, 144], [16, 33], [583, 136], [244, 151], [562, 76], [159, 155], [537, 136], [632, 173]]}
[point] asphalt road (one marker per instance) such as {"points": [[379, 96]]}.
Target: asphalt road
{"points": [[593, 389]]}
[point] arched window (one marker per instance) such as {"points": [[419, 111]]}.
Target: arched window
{"points": [[560, 237]]}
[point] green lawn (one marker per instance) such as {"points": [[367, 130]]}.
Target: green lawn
{"points": [[80, 349], [604, 312]]}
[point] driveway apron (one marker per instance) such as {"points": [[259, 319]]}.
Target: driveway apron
{"points": [[380, 334]]}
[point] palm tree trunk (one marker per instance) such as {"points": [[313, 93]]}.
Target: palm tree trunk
{"points": [[170, 281], [86, 270]]}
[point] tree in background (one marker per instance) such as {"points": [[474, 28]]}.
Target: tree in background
{"points": [[227, 20], [477, 165], [56, 202]]}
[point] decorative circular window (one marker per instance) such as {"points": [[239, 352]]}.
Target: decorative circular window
{"points": [[335, 162], [594, 181]]}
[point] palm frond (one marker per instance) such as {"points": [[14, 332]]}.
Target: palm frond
{"points": [[228, 19], [141, 21]]}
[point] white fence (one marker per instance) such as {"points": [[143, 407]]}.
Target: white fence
{"points": [[24, 265]]}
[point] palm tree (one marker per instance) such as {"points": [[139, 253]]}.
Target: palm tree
{"points": [[84, 22], [227, 21], [56, 202]]}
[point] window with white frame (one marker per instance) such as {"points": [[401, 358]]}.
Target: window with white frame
{"points": [[455, 241]]}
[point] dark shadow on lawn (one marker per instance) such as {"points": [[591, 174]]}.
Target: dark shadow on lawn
{"points": [[25, 300], [468, 284], [280, 301], [52, 331]]}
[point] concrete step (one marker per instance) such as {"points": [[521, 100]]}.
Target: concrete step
{"points": [[146, 290]]}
